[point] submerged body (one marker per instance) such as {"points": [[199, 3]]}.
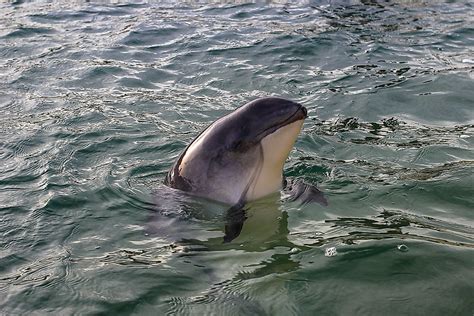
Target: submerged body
{"points": [[240, 157]]}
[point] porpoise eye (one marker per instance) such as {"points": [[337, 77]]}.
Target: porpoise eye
{"points": [[238, 145]]}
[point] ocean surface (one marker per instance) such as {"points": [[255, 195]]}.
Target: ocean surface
{"points": [[98, 99]]}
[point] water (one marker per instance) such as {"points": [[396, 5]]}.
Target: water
{"points": [[97, 100]]}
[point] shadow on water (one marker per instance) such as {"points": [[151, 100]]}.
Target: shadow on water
{"points": [[264, 225]]}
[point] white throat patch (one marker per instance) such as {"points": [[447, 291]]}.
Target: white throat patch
{"points": [[276, 148]]}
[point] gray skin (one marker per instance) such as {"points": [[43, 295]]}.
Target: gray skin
{"points": [[224, 161]]}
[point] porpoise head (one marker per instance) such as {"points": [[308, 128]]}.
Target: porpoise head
{"points": [[240, 156]]}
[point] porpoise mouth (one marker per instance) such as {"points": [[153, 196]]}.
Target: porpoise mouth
{"points": [[300, 114]]}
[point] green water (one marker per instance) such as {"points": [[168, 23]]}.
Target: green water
{"points": [[97, 100]]}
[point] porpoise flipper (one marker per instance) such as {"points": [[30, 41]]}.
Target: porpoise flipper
{"points": [[305, 193], [234, 222]]}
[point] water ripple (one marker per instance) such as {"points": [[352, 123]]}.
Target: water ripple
{"points": [[98, 100]]}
